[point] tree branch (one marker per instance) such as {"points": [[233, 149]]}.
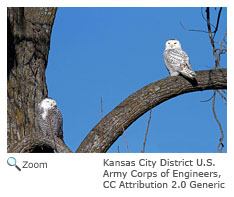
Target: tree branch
{"points": [[211, 38], [129, 110], [217, 23], [146, 133], [220, 145], [217, 65], [29, 143]]}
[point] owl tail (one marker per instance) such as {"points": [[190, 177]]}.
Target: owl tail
{"points": [[187, 72]]}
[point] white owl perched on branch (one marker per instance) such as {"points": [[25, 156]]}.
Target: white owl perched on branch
{"points": [[49, 118], [177, 60]]}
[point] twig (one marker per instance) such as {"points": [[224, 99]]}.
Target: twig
{"points": [[220, 145], [221, 94], [205, 18], [146, 133], [224, 92], [101, 133], [217, 65], [225, 35], [222, 49], [207, 99], [211, 38], [217, 23], [197, 30], [125, 138], [203, 31]]}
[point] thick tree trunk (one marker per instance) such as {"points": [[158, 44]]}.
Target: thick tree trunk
{"points": [[28, 44]]}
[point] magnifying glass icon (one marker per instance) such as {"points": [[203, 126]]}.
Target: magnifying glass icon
{"points": [[11, 161]]}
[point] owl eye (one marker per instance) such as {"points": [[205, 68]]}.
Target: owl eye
{"points": [[168, 42], [175, 42]]}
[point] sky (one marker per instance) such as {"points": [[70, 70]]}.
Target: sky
{"points": [[110, 53]]}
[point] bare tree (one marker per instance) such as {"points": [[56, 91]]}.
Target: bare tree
{"points": [[29, 31]]}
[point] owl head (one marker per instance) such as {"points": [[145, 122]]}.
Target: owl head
{"points": [[172, 44], [47, 103]]}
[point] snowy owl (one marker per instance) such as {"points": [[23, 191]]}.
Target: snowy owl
{"points": [[49, 118], [177, 60]]}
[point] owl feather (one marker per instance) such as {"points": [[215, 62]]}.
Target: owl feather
{"points": [[176, 60]]}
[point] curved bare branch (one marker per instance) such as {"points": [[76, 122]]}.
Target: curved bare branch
{"points": [[129, 110], [29, 143]]}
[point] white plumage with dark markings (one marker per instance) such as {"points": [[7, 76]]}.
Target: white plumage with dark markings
{"points": [[177, 60], [49, 118]]}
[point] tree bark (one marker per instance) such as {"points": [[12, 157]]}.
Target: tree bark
{"points": [[28, 44], [119, 119], [40, 144]]}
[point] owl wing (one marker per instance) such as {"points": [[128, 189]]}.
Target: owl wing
{"points": [[59, 127], [42, 124], [179, 60], [177, 56]]}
